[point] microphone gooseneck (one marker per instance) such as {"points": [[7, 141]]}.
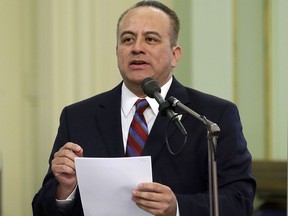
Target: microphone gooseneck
{"points": [[152, 89]]}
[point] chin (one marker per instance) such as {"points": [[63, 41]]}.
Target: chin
{"points": [[136, 76], [139, 77]]}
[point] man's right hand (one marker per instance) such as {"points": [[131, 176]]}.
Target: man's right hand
{"points": [[63, 168]]}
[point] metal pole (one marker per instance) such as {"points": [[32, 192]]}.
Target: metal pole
{"points": [[212, 134]]}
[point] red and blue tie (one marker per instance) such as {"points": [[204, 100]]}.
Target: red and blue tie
{"points": [[138, 131]]}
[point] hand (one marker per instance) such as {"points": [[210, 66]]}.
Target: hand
{"points": [[63, 168], [156, 199]]}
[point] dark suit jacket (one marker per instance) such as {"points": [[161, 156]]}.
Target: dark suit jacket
{"points": [[95, 124]]}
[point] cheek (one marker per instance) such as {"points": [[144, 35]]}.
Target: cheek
{"points": [[120, 57], [122, 52], [163, 57]]}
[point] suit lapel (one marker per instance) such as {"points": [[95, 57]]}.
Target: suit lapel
{"points": [[108, 119]]}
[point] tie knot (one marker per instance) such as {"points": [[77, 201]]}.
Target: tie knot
{"points": [[141, 105]]}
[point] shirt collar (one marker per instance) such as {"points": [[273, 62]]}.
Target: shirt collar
{"points": [[128, 98]]}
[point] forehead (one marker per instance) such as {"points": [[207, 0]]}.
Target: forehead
{"points": [[145, 17]]}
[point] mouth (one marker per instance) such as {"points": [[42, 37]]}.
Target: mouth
{"points": [[138, 62], [138, 65]]}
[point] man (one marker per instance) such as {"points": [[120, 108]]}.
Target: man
{"points": [[98, 127]]}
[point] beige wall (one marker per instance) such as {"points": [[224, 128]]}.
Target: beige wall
{"points": [[17, 78], [53, 53]]}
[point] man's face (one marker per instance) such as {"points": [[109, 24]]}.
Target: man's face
{"points": [[144, 49]]}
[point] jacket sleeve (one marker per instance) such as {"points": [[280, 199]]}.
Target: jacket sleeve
{"points": [[44, 202], [236, 186]]}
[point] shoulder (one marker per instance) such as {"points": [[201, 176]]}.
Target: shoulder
{"points": [[196, 98], [205, 99], [211, 106], [100, 100], [219, 110]]}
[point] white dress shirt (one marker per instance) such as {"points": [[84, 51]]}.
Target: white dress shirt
{"points": [[128, 108]]}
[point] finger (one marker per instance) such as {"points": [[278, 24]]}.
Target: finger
{"points": [[153, 194], [153, 207], [154, 202], [65, 153], [148, 191], [65, 161], [147, 197], [62, 169], [73, 147], [59, 167], [149, 207], [153, 187]]}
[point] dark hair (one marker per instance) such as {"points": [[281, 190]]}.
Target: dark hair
{"points": [[174, 20]]}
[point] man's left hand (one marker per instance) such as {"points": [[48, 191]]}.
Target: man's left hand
{"points": [[156, 199]]}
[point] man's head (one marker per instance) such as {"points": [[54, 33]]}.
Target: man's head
{"points": [[147, 44], [174, 20]]}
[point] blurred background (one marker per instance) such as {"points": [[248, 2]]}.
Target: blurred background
{"points": [[56, 52]]}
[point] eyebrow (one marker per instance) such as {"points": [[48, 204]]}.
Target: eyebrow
{"points": [[126, 32], [146, 33]]}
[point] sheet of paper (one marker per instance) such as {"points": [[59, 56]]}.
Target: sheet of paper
{"points": [[105, 184]]}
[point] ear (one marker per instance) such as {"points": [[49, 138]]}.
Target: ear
{"points": [[176, 55]]}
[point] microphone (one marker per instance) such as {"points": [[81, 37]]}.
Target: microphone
{"points": [[152, 89]]}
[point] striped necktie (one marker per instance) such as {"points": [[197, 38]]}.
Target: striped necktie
{"points": [[138, 131]]}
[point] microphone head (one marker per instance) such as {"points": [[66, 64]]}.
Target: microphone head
{"points": [[150, 86]]}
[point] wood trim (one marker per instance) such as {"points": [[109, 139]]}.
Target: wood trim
{"points": [[267, 79], [271, 178]]}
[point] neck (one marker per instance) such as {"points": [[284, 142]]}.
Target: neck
{"points": [[136, 89]]}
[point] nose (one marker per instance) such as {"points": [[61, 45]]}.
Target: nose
{"points": [[138, 47]]}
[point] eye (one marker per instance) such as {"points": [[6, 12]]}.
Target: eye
{"points": [[151, 39], [127, 40]]}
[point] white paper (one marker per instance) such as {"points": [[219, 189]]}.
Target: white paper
{"points": [[105, 184]]}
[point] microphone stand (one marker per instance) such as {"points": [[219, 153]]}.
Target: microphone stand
{"points": [[212, 134]]}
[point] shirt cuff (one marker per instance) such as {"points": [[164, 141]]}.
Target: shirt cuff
{"points": [[65, 204], [177, 212]]}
